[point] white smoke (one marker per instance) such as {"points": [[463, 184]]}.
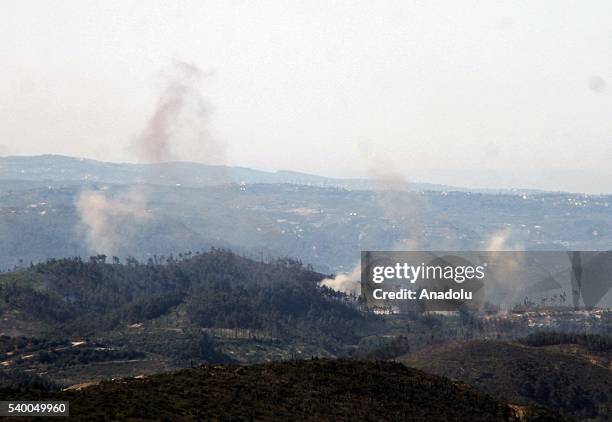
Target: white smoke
{"points": [[109, 222], [506, 270], [503, 240], [349, 283], [401, 207]]}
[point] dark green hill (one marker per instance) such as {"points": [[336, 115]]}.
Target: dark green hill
{"points": [[216, 289], [296, 390], [72, 319], [522, 374]]}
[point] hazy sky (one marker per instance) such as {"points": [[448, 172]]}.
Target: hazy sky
{"points": [[496, 90]]}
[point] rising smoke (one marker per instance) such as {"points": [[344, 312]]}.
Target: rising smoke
{"points": [[109, 222], [503, 240], [348, 283], [178, 126], [177, 129], [400, 206]]}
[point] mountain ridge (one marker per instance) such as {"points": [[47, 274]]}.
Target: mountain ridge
{"points": [[66, 168]]}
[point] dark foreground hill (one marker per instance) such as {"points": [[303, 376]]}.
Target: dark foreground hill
{"points": [[294, 390], [570, 384]]}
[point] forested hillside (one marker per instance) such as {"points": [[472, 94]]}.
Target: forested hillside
{"points": [[69, 315], [73, 322], [296, 390], [218, 289], [569, 383]]}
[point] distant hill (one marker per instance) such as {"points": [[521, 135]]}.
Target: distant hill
{"points": [[324, 226], [568, 383], [321, 390], [61, 168], [139, 210]]}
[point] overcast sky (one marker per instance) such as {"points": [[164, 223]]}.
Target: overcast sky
{"points": [[515, 93]]}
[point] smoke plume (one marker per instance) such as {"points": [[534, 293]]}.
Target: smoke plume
{"points": [[176, 130], [502, 240], [507, 277], [401, 205], [108, 222], [349, 283]]}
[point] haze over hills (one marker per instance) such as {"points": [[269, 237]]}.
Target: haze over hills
{"points": [[53, 207], [69, 169], [53, 167], [177, 307], [306, 211]]}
